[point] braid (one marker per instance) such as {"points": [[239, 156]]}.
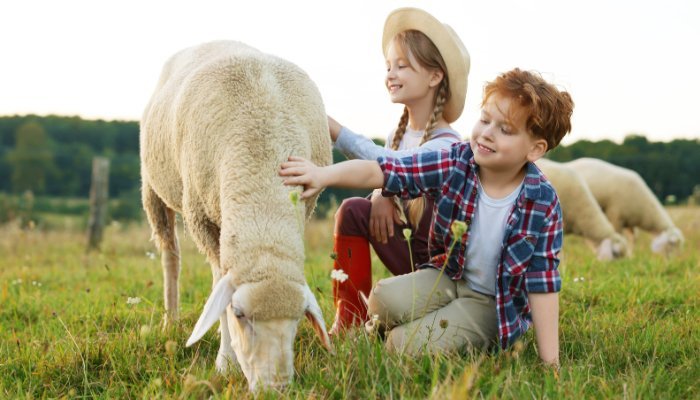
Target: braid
{"points": [[401, 130], [417, 206], [440, 100]]}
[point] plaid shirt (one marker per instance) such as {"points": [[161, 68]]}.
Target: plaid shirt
{"points": [[533, 235]]}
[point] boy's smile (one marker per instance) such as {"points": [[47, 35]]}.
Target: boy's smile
{"points": [[500, 140]]}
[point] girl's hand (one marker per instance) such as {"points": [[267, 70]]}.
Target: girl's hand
{"points": [[382, 216], [302, 172]]}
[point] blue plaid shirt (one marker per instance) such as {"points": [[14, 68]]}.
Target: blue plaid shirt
{"points": [[532, 240]]}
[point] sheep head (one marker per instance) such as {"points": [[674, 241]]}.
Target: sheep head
{"points": [[667, 241], [612, 248], [262, 319]]}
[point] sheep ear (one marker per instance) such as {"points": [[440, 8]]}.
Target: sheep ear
{"points": [[315, 316], [216, 304], [605, 250]]}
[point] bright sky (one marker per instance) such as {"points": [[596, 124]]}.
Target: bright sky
{"points": [[630, 66]]}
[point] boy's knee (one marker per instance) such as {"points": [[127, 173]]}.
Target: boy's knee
{"points": [[382, 303]]}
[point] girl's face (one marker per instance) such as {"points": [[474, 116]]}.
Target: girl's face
{"points": [[501, 144], [407, 81]]}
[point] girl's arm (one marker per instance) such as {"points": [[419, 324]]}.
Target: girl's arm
{"points": [[354, 145], [353, 174], [545, 318]]}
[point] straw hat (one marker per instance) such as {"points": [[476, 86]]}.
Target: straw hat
{"points": [[447, 42]]}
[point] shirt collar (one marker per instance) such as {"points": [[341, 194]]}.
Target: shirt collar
{"points": [[532, 182]]}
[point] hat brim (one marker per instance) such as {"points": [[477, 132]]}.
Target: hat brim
{"points": [[453, 51]]}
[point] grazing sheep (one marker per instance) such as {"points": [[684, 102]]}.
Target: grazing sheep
{"points": [[582, 215], [628, 202], [222, 119]]}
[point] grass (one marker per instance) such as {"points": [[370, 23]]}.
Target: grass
{"points": [[67, 330]]}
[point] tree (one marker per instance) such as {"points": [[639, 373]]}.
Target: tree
{"points": [[32, 158]]}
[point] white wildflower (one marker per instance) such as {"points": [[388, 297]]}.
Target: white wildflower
{"points": [[151, 255], [36, 283], [575, 280], [133, 300], [17, 281], [339, 275]]}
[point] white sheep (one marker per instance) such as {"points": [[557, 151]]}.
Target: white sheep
{"points": [[582, 215], [628, 202], [222, 119]]}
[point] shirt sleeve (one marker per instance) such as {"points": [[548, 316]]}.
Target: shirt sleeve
{"points": [[542, 275], [353, 145], [424, 172]]}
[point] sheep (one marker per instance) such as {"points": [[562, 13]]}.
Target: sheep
{"points": [[629, 203], [222, 119], [582, 215]]}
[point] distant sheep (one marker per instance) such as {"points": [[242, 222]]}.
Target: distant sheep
{"points": [[222, 119], [628, 202], [582, 215]]}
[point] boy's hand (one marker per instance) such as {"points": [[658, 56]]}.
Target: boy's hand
{"points": [[302, 172]]}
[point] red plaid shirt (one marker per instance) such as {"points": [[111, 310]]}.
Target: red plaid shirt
{"points": [[533, 236]]}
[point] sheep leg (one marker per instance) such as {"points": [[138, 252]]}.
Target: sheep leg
{"points": [[206, 236], [226, 356], [163, 225]]}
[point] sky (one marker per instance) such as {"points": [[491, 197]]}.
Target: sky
{"points": [[630, 66]]}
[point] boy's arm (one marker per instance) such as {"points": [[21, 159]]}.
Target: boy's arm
{"points": [[545, 318], [354, 174], [542, 282]]}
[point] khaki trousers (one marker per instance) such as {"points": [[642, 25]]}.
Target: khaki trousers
{"points": [[426, 310]]}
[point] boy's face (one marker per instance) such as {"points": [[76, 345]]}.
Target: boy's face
{"points": [[502, 144]]}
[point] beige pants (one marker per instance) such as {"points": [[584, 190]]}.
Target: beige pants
{"points": [[441, 315]]}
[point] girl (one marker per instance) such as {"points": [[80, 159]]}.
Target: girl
{"points": [[427, 68]]}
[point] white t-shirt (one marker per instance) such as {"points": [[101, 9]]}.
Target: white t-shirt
{"points": [[486, 240]]}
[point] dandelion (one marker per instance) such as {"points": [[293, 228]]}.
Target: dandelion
{"points": [[458, 228], [133, 300], [339, 275], [579, 279], [170, 347], [17, 281], [35, 283], [444, 323], [407, 234], [372, 325], [145, 331], [294, 197]]}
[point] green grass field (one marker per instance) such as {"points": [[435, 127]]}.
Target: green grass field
{"points": [[77, 325]]}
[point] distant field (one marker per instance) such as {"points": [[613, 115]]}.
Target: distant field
{"points": [[71, 327]]}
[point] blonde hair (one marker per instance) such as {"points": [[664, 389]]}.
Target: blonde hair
{"points": [[429, 57]]}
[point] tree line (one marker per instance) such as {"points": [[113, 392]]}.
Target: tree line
{"points": [[52, 156]]}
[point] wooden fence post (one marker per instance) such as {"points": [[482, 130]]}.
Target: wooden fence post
{"points": [[99, 196]]}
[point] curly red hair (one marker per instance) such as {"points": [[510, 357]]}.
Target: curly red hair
{"points": [[545, 109]]}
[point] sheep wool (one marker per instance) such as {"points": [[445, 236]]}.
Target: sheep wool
{"points": [[222, 119], [627, 201], [582, 215]]}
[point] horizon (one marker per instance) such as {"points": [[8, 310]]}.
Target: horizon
{"points": [[616, 141]]}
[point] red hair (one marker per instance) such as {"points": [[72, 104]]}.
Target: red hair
{"points": [[546, 109]]}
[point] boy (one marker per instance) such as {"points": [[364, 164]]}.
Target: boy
{"points": [[499, 276]]}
